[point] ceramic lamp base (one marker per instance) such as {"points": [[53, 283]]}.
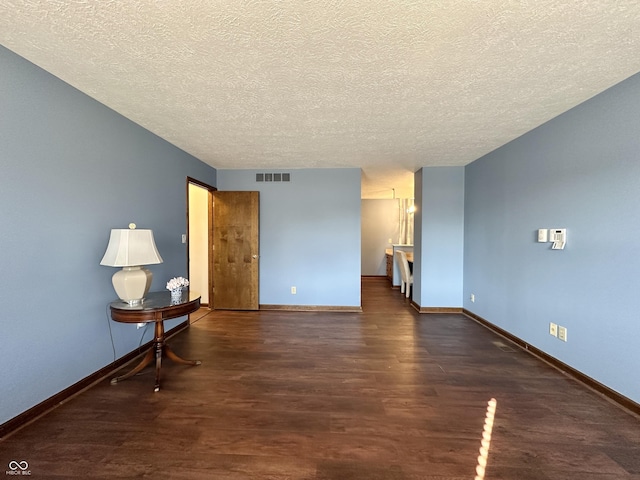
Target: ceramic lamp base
{"points": [[132, 284]]}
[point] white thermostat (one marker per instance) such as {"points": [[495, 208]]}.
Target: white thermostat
{"points": [[559, 238]]}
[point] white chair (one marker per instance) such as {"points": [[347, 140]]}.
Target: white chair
{"points": [[405, 273]]}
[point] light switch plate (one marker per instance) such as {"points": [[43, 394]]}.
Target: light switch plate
{"points": [[543, 235]]}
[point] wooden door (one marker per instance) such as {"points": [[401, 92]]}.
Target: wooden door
{"points": [[235, 250]]}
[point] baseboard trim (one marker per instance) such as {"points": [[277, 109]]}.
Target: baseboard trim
{"points": [[436, 309], [610, 394], [312, 308], [65, 395]]}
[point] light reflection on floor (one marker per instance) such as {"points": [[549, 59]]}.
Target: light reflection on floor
{"points": [[485, 444]]}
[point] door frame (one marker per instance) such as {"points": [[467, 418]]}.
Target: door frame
{"points": [[210, 189]]}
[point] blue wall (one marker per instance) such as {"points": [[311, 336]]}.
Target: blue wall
{"points": [[580, 171], [72, 169], [309, 235], [439, 230]]}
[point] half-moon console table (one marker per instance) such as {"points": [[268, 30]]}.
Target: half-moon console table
{"points": [[156, 307]]}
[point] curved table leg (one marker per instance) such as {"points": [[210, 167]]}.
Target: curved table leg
{"points": [[172, 355], [146, 360]]}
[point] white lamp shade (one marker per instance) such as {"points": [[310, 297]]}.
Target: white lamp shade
{"points": [[128, 247]]}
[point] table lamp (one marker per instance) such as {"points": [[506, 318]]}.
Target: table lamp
{"points": [[131, 249]]}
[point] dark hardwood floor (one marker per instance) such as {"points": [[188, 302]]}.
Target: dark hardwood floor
{"points": [[384, 394]]}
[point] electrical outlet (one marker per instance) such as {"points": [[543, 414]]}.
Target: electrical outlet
{"points": [[553, 329], [294, 290], [473, 298], [562, 333]]}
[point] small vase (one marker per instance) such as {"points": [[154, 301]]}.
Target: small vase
{"points": [[176, 295]]}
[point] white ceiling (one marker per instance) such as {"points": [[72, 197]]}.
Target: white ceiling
{"points": [[387, 86]]}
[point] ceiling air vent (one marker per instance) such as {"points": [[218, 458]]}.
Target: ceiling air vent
{"points": [[273, 177]]}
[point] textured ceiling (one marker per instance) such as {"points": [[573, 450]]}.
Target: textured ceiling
{"points": [[387, 86]]}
